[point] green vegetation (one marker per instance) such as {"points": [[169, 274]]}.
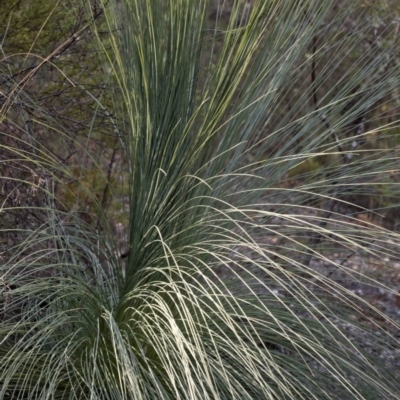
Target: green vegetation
{"points": [[245, 155]]}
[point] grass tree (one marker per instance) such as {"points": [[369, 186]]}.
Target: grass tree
{"points": [[254, 134]]}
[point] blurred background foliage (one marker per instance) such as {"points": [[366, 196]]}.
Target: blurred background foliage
{"points": [[50, 73]]}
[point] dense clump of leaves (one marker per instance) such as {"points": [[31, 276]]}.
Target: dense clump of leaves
{"points": [[246, 276]]}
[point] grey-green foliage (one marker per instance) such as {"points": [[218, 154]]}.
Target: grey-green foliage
{"points": [[238, 285]]}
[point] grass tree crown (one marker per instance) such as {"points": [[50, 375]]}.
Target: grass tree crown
{"points": [[248, 139]]}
